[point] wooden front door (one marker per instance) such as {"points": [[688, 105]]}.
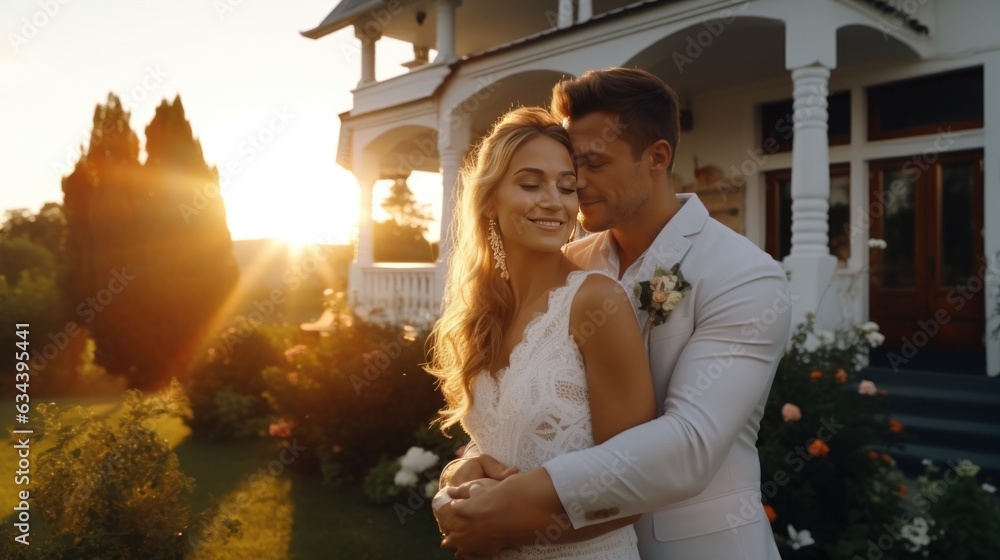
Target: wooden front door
{"points": [[927, 286]]}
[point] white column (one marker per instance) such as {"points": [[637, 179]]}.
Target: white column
{"points": [[811, 265], [367, 53], [451, 163], [584, 11], [446, 31], [810, 162], [366, 237], [565, 17], [991, 206]]}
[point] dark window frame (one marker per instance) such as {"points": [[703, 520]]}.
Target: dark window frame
{"points": [[874, 103], [772, 224]]}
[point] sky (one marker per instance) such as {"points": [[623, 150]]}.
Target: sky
{"points": [[257, 94]]}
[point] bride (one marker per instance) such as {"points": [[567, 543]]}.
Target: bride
{"points": [[536, 358]]}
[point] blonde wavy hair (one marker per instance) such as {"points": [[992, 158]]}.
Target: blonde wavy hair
{"points": [[477, 302]]}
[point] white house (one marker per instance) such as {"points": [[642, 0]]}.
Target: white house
{"points": [[810, 126]]}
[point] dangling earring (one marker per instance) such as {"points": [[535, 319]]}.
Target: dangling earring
{"points": [[498, 252]]}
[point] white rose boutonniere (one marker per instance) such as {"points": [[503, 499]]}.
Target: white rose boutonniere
{"points": [[661, 294]]}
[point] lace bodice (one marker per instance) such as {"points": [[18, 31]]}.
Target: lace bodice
{"points": [[537, 408]]}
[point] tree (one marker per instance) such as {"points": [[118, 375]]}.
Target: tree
{"points": [[151, 276], [401, 238], [46, 228], [404, 207]]}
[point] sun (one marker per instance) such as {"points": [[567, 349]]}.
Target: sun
{"points": [[310, 207]]}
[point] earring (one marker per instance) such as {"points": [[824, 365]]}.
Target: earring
{"points": [[498, 252]]}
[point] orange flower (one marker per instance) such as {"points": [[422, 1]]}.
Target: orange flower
{"points": [[771, 514], [841, 376], [902, 491], [873, 455], [818, 448], [886, 458], [816, 374], [895, 426]]}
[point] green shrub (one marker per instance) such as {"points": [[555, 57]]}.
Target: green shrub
{"points": [[111, 489], [225, 387], [380, 486], [354, 396], [962, 516], [822, 446]]}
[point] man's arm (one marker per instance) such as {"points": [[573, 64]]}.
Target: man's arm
{"points": [[718, 381], [719, 378]]}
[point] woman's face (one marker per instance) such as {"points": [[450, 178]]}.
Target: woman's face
{"points": [[536, 203]]}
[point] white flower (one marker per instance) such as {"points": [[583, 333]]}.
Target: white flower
{"points": [[875, 338], [798, 539], [405, 477], [673, 300], [966, 467], [926, 462], [867, 388], [916, 534], [870, 326], [987, 487], [669, 282], [418, 460], [431, 488], [826, 337], [877, 243]]}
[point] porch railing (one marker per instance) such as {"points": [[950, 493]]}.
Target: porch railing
{"points": [[399, 293]]}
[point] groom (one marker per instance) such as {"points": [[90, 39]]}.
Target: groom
{"points": [[693, 472]]}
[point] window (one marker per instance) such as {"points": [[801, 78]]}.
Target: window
{"points": [[777, 124], [778, 240], [952, 100]]}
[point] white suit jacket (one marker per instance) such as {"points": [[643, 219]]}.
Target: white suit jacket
{"points": [[693, 471]]}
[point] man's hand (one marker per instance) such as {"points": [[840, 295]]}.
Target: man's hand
{"points": [[489, 517], [480, 468]]}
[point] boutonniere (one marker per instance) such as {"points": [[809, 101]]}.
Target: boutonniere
{"points": [[661, 294]]}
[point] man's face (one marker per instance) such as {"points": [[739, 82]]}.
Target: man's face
{"points": [[613, 186]]}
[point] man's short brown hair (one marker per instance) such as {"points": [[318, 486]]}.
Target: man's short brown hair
{"points": [[646, 108]]}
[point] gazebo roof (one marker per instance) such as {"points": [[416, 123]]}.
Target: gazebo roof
{"points": [[342, 16]]}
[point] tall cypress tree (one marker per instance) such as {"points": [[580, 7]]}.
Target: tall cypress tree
{"points": [[147, 278]]}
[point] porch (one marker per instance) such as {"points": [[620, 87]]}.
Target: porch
{"points": [[727, 61]]}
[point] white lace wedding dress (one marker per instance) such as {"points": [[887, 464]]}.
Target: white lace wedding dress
{"points": [[536, 409]]}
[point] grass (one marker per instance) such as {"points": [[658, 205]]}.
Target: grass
{"points": [[289, 515]]}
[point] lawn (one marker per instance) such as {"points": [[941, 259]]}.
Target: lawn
{"points": [[286, 516]]}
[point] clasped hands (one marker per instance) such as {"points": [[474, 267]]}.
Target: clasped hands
{"points": [[463, 508]]}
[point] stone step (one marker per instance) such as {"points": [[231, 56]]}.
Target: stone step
{"points": [[978, 437], [910, 460]]}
